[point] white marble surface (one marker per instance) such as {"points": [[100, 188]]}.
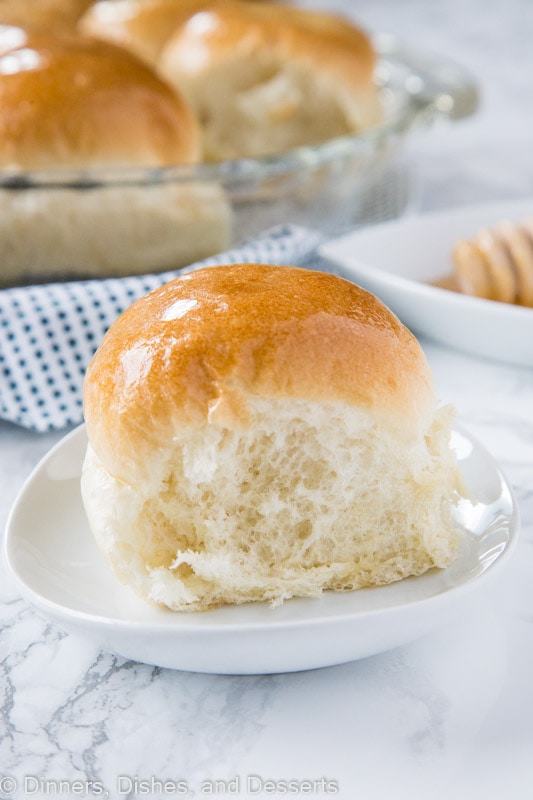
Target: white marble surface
{"points": [[450, 716]]}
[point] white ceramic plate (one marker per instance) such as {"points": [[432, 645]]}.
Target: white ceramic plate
{"points": [[53, 558], [397, 260]]}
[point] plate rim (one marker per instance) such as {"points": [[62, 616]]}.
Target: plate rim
{"points": [[214, 628]]}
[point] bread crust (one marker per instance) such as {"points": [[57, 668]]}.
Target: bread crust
{"points": [[192, 353], [226, 29], [262, 77], [69, 102], [142, 26], [49, 14]]}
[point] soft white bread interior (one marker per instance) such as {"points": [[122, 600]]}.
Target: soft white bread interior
{"points": [[259, 433], [74, 108], [72, 232]]}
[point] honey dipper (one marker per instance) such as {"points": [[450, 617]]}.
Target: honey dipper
{"points": [[497, 264]]}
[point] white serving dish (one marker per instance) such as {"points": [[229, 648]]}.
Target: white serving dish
{"points": [[57, 567], [397, 261]]}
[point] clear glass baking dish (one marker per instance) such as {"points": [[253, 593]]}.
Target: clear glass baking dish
{"points": [[121, 221]]}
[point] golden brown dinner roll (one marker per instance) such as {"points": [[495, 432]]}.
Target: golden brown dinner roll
{"points": [[70, 103], [49, 14], [258, 433], [265, 78], [142, 26]]}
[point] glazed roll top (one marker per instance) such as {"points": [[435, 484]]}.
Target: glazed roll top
{"points": [[194, 353], [73, 102]]}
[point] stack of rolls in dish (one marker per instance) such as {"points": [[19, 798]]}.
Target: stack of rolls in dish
{"points": [[84, 127], [94, 118], [261, 433]]}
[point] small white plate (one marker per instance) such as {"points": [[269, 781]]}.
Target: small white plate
{"points": [[397, 260], [52, 556]]}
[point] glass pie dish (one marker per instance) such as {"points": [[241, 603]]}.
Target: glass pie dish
{"points": [[78, 224]]}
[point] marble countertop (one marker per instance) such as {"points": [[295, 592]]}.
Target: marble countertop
{"points": [[448, 716]]}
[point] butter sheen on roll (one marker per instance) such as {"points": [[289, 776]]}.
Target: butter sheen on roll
{"points": [[71, 102], [259, 433], [49, 14]]}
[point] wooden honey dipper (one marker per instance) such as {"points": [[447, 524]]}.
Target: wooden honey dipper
{"points": [[497, 264]]}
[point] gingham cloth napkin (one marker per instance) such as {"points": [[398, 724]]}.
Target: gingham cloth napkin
{"points": [[48, 333]]}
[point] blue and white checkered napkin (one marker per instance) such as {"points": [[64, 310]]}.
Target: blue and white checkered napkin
{"points": [[48, 333]]}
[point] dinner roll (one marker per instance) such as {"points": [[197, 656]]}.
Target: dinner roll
{"points": [[265, 78], [49, 14], [142, 26], [76, 113], [71, 102], [259, 433]]}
